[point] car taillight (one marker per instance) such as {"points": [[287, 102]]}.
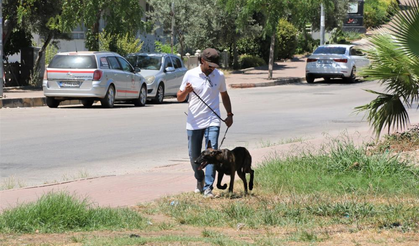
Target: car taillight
{"points": [[45, 74], [97, 75], [311, 60], [341, 60]]}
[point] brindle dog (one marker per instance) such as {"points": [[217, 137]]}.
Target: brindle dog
{"points": [[228, 162]]}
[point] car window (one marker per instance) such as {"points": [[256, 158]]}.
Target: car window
{"points": [[177, 62], [356, 52], [125, 65], [168, 62], [132, 60], [148, 62], [330, 50], [73, 62], [113, 63], [103, 63]]}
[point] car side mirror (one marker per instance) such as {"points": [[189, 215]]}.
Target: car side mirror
{"points": [[137, 70], [170, 69]]}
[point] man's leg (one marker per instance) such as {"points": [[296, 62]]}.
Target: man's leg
{"points": [[194, 146], [211, 134]]}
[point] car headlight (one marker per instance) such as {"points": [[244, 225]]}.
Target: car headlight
{"points": [[150, 79]]}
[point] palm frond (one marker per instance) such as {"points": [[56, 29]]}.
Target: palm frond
{"points": [[405, 27], [386, 111], [393, 68]]}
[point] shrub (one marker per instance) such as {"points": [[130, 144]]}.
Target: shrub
{"points": [[306, 44], [286, 43], [250, 61], [378, 12]]}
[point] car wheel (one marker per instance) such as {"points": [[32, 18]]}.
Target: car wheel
{"points": [[352, 77], [160, 94], [309, 78], [87, 102], [109, 98], [142, 97], [52, 102]]}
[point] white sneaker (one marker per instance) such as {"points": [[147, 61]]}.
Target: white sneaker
{"points": [[208, 193], [200, 187]]}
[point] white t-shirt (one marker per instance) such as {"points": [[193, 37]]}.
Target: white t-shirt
{"points": [[208, 88]]}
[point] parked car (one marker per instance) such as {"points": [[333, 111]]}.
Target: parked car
{"points": [[163, 73], [335, 61], [93, 76]]}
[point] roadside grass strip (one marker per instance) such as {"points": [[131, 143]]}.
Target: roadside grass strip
{"points": [[62, 212], [343, 188]]}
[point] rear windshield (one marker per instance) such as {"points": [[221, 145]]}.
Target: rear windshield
{"points": [[330, 50], [73, 62], [146, 62]]}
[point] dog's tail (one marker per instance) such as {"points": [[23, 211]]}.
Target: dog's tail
{"points": [[221, 187]]}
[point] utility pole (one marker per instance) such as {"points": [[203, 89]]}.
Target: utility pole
{"points": [[173, 27], [1, 48], [322, 25]]}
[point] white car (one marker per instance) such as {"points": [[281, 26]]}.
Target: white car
{"points": [[335, 61], [163, 73], [93, 76]]}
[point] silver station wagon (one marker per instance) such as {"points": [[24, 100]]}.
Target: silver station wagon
{"points": [[93, 76]]}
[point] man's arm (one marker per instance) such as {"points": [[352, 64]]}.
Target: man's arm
{"points": [[227, 105]]}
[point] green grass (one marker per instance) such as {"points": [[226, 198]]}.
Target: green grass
{"points": [[342, 187], [343, 169], [60, 212]]}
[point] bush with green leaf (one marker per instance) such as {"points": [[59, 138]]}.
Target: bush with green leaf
{"points": [[286, 43], [247, 61], [378, 12]]}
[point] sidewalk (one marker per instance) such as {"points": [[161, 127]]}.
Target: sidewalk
{"points": [[132, 189], [292, 71]]}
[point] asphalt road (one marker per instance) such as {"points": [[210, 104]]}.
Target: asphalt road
{"points": [[43, 145]]}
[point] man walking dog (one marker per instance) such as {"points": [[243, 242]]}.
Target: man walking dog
{"points": [[204, 84]]}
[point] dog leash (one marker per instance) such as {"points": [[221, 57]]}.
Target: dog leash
{"points": [[225, 133]]}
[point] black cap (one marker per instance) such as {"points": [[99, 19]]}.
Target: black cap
{"points": [[211, 56]]}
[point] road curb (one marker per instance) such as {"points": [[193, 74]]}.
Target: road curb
{"points": [[283, 81], [31, 102]]}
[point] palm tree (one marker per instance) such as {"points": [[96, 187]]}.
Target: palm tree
{"points": [[395, 64]]}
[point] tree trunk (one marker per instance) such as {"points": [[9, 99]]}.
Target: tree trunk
{"points": [[271, 55], [35, 79], [236, 64]]}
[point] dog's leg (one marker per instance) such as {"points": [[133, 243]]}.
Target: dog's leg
{"points": [[242, 175], [231, 187], [220, 176], [252, 174]]}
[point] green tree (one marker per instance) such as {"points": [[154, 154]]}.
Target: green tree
{"points": [[120, 17], [26, 17], [307, 12], [272, 11], [185, 15], [124, 45], [395, 64]]}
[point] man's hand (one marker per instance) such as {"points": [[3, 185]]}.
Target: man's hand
{"points": [[229, 120], [188, 88], [182, 95]]}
